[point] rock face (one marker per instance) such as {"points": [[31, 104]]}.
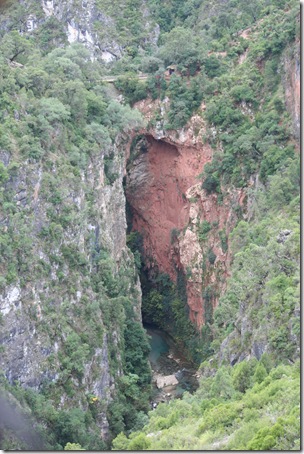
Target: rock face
{"points": [[156, 188], [87, 22], [169, 208], [291, 82], [50, 310]]}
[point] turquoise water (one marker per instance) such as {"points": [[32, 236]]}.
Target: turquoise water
{"points": [[166, 359], [158, 346]]}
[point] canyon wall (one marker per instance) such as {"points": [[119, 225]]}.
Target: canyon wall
{"points": [[184, 229], [58, 325]]}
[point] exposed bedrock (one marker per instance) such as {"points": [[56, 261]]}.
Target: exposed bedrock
{"points": [[168, 206], [291, 84], [157, 183]]}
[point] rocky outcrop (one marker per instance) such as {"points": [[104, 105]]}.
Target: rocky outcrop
{"points": [[169, 208]]}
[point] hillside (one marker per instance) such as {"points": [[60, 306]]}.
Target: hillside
{"points": [[149, 171]]}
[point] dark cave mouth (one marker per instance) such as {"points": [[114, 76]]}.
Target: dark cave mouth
{"points": [[142, 143]]}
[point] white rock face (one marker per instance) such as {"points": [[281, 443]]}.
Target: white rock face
{"points": [[31, 23], [7, 302], [191, 254], [34, 330], [77, 35], [48, 7], [107, 56], [72, 34]]}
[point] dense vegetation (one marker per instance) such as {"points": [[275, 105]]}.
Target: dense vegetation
{"points": [[238, 79], [247, 407], [255, 404], [55, 112], [164, 304], [241, 407], [56, 115], [265, 283], [245, 106]]}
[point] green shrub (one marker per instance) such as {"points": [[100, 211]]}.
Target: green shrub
{"points": [[211, 184], [73, 447], [222, 415], [224, 241], [3, 174], [139, 443], [266, 438], [211, 256], [203, 228]]}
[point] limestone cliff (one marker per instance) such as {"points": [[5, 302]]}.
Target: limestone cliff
{"points": [[54, 323], [100, 26]]}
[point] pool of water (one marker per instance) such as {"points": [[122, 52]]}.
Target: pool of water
{"points": [[159, 346], [166, 359]]}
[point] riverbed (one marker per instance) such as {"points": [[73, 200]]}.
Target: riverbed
{"points": [[172, 373]]}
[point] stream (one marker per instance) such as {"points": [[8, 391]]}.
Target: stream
{"points": [[172, 373]]}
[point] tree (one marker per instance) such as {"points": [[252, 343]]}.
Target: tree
{"points": [[98, 133], [222, 385], [139, 443], [51, 34], [53, 110], [260, 373], [179, 46], [242, 376], [16, 47], [73, 447], [212, 66], [120, 443], [132, 88], [151, 64]]}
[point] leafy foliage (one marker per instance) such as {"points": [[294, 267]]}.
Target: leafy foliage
{"points": [[56, 113], [58, 117], [265, 271], [219, 416]]}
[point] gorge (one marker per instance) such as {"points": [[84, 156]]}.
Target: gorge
{"points": [[169, 209], [166, 205]]}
